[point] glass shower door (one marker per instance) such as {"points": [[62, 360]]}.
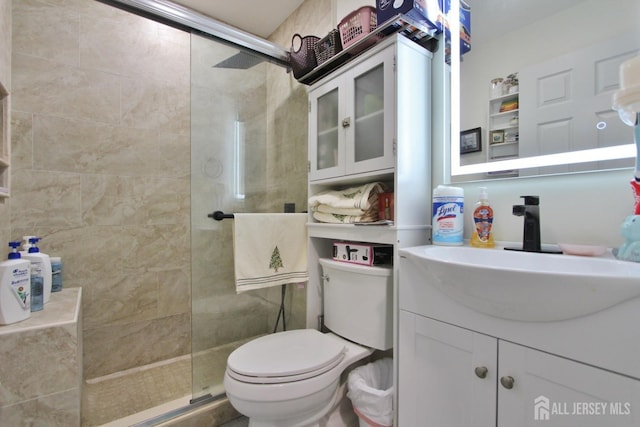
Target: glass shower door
{"points": [[228, 127]]}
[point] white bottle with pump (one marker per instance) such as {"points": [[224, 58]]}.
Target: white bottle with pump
{"points": [[15, 286], [42, 261]]}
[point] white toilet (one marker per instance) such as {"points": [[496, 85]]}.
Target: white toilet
{"points": [[292, 378]]}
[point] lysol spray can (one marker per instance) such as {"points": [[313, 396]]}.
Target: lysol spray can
{"points": [[448, 219]]}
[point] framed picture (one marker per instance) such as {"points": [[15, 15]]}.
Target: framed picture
{"points": [[470, 141], [497, 136]]}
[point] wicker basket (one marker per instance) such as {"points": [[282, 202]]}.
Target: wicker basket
{"points": [[303, 59], [357, 25], [328, 46]]}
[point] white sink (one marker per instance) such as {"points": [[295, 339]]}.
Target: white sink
{"points": [[526, 286]]}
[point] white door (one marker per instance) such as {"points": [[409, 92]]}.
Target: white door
{"points": [[565, 103]]}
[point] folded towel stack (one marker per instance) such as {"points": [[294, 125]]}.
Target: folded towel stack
{"points": [[355, 204]]}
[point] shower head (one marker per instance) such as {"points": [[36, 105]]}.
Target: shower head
{"points": [[240, 61]]}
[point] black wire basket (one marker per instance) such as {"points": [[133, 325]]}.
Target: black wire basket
{"points": [[328, 46], [303, 58]]}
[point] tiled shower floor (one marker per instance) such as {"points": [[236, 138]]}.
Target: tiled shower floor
{"points": [[116, 396], [138, 390]]}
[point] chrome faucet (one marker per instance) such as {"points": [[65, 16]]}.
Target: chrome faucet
{"points": [[531, 213]]}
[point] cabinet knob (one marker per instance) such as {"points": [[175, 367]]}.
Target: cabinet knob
{"points": [[346, 122], [481, 371], [507, 382]]}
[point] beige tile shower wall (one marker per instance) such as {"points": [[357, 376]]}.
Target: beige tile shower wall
{"points": [[5, 43], [287, 138], [101, 170]]}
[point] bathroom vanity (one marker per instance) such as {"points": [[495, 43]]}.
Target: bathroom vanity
{"points": [[464, 361]]}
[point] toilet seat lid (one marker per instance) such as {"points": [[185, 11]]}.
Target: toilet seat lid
{"points": [[286, 356]]}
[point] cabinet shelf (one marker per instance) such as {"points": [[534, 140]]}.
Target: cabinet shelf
{"points": [[328, 131], [504, 144], [504, 113], [400, 24], [360, 233], [383, 175], [505, 127], [378, 115], [505, 97]]}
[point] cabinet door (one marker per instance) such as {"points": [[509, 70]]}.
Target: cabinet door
{"points": [[447, 375], [562, 392], [370, 114], [326, 132]]}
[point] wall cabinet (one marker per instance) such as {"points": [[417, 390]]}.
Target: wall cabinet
{"points": [[369, 121], [451, 376], [351, 121]]}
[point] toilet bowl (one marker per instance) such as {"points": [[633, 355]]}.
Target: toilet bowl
{"points": [[292, 378], [297, 390]]}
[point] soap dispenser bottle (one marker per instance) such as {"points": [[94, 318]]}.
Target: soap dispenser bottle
{"points": [[42, 261], [15, 285], [482, 236]]}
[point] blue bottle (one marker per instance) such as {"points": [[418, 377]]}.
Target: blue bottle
{"points": [[37, 289], [56, 274]]}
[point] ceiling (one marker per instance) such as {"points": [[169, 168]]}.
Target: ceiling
{"points": [[262, 18], [258, 17]]}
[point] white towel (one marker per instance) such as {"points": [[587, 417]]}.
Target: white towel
{"points": [[363, 197], [269, 250]]}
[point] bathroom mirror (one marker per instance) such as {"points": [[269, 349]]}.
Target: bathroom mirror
{"points": [[554, 66]]}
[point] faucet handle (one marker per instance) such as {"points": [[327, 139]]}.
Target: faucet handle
{"points": [[531, 200]]}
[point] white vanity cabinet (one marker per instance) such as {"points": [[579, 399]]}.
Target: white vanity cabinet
{"points": [[454, 377], [459, 367]]}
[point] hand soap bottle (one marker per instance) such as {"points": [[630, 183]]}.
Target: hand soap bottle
{"points": [[482, 236], [41, 261], [15, 297]]}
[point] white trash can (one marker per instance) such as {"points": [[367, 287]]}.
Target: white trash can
{"points": [[371, 393]]}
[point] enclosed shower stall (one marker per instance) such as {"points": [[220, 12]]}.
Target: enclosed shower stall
{"points": [[248, 153]]}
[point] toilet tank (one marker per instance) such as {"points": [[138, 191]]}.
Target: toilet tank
{"points": [[358, 302]]}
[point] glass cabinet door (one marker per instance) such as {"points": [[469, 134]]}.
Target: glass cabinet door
{"points": [[369, 115], [371, 144], [327, 146]]}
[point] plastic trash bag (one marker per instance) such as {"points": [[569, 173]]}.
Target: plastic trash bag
{"points": [[371, 392]]}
